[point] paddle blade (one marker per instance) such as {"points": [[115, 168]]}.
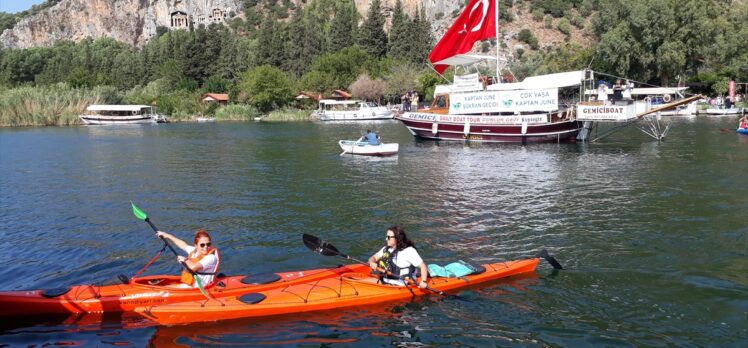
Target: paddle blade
{"points": [[319, 246], [138, 213], [552, 260]]}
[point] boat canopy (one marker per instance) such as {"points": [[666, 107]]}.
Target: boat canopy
{"points": [[565, 79], [117, 107], [464, 59], [645, 90]]}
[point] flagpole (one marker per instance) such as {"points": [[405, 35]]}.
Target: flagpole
{"points": [[498, 45]]}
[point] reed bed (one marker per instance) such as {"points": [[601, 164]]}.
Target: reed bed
{"points": [[288, 115], [54, 105], [236, 112]]}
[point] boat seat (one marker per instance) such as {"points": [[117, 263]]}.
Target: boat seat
{"points": [[261, 278], [49, 293]]}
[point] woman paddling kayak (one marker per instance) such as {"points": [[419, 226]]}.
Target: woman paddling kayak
{"points": [[400, 259], [202, 258]]}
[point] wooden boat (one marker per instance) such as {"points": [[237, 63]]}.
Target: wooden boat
{"points": [[120, 114], [364, 148], [523, 112]]}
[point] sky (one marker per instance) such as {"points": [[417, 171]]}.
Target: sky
{"points": [[13, 6]]}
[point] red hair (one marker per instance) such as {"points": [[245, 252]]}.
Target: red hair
{"points": [[201, 233]]}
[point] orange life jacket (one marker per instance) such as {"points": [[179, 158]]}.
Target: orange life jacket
{"points": [[187, 277]]}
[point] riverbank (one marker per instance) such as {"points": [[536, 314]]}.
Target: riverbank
{"points": [[60, 105]]}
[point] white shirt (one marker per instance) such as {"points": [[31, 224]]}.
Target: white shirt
{"points": [[209, 262], [403, 259]]}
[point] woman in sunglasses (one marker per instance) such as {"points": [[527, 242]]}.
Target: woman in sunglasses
{"points": [[202, 258], [399, 259]]}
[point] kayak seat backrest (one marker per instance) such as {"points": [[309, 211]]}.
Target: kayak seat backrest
{"points": [[252, 298], [49, 293], [455, 269], [261, 278]]}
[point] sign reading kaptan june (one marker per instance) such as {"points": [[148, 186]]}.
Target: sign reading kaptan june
{"points": [[504, 101]]}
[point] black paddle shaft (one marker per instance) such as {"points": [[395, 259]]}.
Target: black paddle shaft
{"points": [[155, 229]]}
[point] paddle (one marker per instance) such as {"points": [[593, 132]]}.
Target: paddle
{"points": [[326, 249], [143, 216]]}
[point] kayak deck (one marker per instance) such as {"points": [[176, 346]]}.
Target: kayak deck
{"points": [[148, 291], [347, 290]]}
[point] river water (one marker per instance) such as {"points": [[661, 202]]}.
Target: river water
{"points": [[652, 235]]}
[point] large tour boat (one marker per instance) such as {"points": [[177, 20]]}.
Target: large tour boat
{"points": [[471, 108]]}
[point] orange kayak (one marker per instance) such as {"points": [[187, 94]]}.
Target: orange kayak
{"points": [[149, 291], [355, 288]]}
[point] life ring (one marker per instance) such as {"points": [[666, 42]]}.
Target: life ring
{"points": [[648, 100], [667, 98]]}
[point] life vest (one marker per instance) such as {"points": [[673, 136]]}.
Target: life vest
{"points": [[187, 277], [387, 262]]}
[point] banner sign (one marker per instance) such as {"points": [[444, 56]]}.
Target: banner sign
{"points": [[605, 113], [509, 119], [504, 101], [468, 82]]}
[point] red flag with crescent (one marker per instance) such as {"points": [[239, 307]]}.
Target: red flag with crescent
{"points": [[477, 22]]}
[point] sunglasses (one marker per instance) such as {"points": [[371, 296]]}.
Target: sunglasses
{"points": [[388, 237], [203, 245]]}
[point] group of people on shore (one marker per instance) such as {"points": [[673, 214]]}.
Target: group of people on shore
{"points": [[397, 262]]}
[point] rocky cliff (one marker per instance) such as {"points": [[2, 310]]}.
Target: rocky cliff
{"points": [[135, 21], [130, 21]]}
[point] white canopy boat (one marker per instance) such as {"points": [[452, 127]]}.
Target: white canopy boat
{"points": [[364, 148], [723, 112], [120, 114], [346, 110]]}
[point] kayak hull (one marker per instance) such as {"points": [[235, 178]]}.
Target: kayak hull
{"points": [[347, 290], [147, 291]]}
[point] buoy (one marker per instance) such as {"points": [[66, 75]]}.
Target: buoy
{"points": [[524, 127], [667, 98], [434, 128], [467, 128]]}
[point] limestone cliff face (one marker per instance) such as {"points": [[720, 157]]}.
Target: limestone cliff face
{"points": [[130, 21], [135, 21]]}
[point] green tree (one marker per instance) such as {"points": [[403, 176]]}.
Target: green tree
{"points": [[400, 34], [266, 88], [371, 35], [344, 26]]}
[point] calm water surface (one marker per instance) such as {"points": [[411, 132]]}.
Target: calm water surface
{"points": [[653, 235]]}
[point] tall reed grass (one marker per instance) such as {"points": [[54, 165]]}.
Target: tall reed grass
{"points": [[288, 115], [53, 105]]}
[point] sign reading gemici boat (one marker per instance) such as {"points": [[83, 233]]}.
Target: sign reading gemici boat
{"points": [[605, 112], [504, 101]]}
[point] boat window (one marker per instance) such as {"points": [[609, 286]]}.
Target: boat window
{"points": [[440, 101]]}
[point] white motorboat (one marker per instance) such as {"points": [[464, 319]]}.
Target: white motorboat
{"points": [[120, 114], [364, 148], [723, 112], [351, 110]]}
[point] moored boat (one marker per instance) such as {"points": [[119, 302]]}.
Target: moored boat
{"points": [[344, 291], [364, 148], [723, 112], [524, 112], [351, 110], [121, 114], [147, 291]]}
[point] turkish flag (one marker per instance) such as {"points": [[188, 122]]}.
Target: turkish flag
{"points": [[477, 22]]}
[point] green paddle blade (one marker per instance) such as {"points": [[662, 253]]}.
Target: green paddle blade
{"points": [[138, 213]]}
